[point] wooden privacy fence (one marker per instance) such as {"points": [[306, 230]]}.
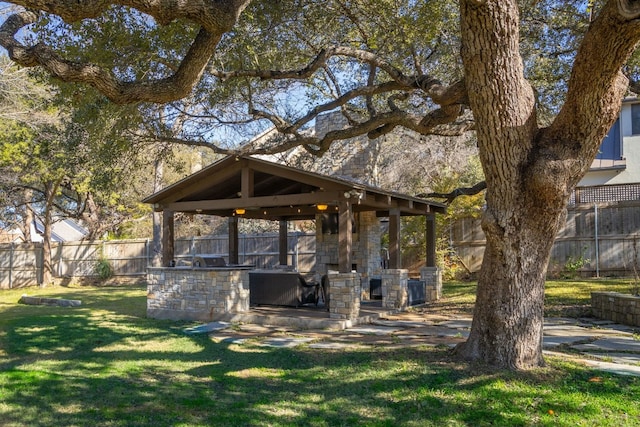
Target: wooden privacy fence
{"points": [[260, 250], [600, 239], [21, 265]]}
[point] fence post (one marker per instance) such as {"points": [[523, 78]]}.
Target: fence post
{"points": [[60, 251], [296, 251], [40, 261], [244, 248], [11, 265], [595, 210], [147, 252]]}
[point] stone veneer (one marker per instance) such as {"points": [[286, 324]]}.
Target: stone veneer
{"points": [[344, 296], [432, 277], [196, 293], [394, 288], [619, 308], [355, 158]]}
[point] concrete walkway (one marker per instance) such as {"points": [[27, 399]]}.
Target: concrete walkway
{"points": [[603, 345]]}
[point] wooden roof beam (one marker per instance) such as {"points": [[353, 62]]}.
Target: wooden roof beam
{"points": [[256, 202]]}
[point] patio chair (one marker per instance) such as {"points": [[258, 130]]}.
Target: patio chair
{"points": [[310, 292]]}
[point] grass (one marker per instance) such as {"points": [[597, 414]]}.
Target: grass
{"points": [[563, 298], [106, 364]]}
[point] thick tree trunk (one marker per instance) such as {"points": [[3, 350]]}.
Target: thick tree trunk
{"points": [[530, 172], [91, 217], [508, 315], [519, 225]]}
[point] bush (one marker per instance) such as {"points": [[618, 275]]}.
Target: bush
{"points": [[104, 269]]}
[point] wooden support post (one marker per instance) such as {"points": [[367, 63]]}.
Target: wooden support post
{"points": [[394, 239], [168, 248], [246, 182], [431, 239], [283, 243], [233, 240], [345, 236]]}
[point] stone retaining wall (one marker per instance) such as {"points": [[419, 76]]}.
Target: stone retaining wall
{"points": [[619, 308], [196, 293]]}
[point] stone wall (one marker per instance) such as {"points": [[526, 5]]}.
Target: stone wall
{"points": [[196, 293], [619, 308], [354, 158]]}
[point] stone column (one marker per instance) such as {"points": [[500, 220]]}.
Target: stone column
{"points": [[394, 288], [344, 296], [432, 277]]}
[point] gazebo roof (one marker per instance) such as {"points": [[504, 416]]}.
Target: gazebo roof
{"points": [[267, 190]]}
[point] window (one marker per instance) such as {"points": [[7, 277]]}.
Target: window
{"points": [[610, 149], [635, 119]]}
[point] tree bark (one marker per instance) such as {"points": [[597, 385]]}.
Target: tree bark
{"points": [[47, 267], [28, 215], [51, 190], [156, 245]]}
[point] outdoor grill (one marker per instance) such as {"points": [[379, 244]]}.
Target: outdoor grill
{"points": [[208, 261]]}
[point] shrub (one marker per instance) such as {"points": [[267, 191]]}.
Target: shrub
{"points": [[104, 269]]}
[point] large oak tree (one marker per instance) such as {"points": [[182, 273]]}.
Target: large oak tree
{"points": [[384, 64]]}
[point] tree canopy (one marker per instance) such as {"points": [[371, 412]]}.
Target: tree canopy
{"points": [[384, 63]]}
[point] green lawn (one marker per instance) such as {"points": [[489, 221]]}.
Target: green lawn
{"points": [[570, 298], [105, 364]]}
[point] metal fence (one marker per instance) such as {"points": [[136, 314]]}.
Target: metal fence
{"points": [[21, 264]]}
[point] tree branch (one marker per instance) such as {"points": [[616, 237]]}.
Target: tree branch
{"points": [[194, 143], [318, 62], [450, 197], [215, 18], [629, 9], [565, 146], [443, 95]]}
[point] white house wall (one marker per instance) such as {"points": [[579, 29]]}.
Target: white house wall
{"points": [[630, 151]]}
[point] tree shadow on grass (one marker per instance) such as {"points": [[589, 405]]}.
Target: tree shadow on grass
{"points": [[114, 369]]}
